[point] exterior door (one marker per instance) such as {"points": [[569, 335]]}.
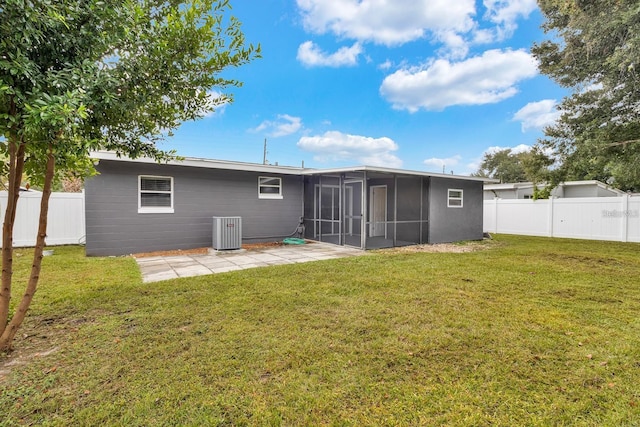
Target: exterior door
{"points": [[352, 213], [378, 211]]}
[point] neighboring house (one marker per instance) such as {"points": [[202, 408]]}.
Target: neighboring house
{"points": [[570, 189], [139, 205]]}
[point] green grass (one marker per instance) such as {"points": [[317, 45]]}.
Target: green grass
{"points": [[532, 331]]}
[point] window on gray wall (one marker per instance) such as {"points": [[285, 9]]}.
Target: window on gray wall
{"points": [[454, 198], [155, 194], [269, 187]]}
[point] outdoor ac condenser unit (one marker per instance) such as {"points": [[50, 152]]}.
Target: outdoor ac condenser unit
{"points": [[227, 232]]}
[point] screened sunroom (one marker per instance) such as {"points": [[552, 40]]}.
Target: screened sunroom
{"points": [[366, 208], [372, 208]]}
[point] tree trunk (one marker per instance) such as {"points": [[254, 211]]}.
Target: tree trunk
{"points": [[16, 168], [10, 330]]}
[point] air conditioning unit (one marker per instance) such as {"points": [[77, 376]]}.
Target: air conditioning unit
{"points": [[227, 232]]}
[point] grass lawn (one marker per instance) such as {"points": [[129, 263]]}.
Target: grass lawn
{"points": [[531, 331]]}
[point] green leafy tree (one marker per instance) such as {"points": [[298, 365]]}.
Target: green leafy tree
{"points": [[77, 76], [595, 51], [503, 165], [527, 166]]}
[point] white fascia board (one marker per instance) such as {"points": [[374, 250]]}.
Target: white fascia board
{"points": [[204, 163], [393, 171], [285, 170]]}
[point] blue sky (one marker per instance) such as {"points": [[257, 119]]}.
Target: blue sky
{"points": [[414, 84]]}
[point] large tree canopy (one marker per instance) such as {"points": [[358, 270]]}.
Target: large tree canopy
{"points": [[504, 165], [595, 51], [531, 165], [81, 75]]}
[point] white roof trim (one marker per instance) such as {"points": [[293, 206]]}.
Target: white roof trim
{"points": [[285, 170], [395, 171], [205, 163]]}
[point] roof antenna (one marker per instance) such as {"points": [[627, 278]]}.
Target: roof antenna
{"points": [[264, 155]]}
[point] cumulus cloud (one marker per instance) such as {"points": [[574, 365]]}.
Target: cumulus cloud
{"points": [[284, 125], [338, 146], [454, 24], [438, 164], [485, 79], [312, 56], [537, 115], [505, 13], [387, 22]]}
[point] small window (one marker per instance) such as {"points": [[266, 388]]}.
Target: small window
{"points": [[454, 199], [155, 194], [269, 187]]}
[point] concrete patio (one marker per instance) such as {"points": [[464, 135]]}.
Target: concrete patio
{"points": [[159, 268]]}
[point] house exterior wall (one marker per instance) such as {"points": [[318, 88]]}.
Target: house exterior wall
{"points": [[577, 191], [114, 226], [502, 194], [450, 224]]}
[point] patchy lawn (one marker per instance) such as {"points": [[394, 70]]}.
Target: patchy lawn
{"points": [[530, 331]]}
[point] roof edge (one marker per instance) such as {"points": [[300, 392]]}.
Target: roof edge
{"points": [[288, 170], [204, 163]]}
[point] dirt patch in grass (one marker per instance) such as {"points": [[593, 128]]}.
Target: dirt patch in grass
{"points": [[40, 337], [203, 251], [444, 247]]}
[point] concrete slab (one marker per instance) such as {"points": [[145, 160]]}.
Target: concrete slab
{"points": [[171, 267]]}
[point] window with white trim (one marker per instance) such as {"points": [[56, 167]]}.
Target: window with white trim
{"points": [[269, 187], [454, 198], [155, 194]]}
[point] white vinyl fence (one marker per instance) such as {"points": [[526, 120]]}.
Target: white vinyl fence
{"points": [[65, 220], [596, 218]]}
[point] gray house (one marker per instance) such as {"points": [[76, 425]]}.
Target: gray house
{"points": [[139, 205]]}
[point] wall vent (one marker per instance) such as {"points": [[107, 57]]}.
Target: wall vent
{"points": [[227, 232]]}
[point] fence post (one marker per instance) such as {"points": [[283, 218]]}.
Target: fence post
{"points": [[625, 218], [495, 215], [550, 217]]}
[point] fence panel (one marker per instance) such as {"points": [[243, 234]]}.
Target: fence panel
{"points": [[66, 221], [596, 218]]}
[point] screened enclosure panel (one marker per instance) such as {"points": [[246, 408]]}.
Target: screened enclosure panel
{"points": [[367, 210]]}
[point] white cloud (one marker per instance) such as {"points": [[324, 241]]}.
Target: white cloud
{"points": [[386, 65], [438, 164], [338, 146], [217, 103], [312, 56], [284, 125], [485, 79], [454, 24], [522, 148], [505, 13], [537, 115], [387, 22]]}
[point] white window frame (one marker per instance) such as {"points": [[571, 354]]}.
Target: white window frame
{"points": [[269, 195], [154, 209], [451, 198]]}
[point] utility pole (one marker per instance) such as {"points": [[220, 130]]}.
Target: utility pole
{"points": [[264, 155]]}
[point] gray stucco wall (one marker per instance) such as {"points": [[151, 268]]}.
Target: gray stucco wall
{"points": [[114, 226], [454, 224]]}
